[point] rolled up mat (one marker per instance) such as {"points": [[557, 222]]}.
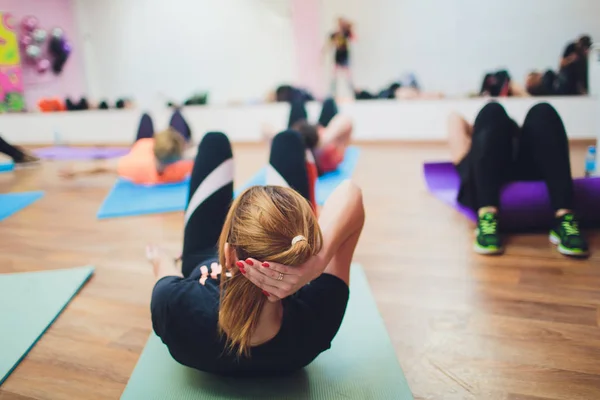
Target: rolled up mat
{"points": [[326, 184], [80, 153], [10, 203], [128, 199], [29, 303], [361, 364], [7, 166], [523, 205]]}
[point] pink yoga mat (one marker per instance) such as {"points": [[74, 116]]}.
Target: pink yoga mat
{"points": [[523, 205], [80, 153]]}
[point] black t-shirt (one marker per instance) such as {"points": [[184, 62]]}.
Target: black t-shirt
{"points": [[185, 316], [570, 49], [341, 41]]}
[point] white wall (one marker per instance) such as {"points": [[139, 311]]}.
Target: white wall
{"points": [[373, 120], [450, 43], [156, 50]]}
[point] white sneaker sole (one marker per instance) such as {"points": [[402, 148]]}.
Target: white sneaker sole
{"points": [[563, 250]]}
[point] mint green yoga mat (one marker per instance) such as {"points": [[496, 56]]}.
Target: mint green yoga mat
{"points": [[361, 365], [29, 304]]}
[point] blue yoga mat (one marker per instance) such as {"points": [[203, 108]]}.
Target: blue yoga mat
{"points": [[128, 199], [6, 167], [326, 184], [29, 304], [10, 203]]}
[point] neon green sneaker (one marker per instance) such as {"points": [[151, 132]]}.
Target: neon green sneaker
{"points": [[488, 240], [568, 238]]}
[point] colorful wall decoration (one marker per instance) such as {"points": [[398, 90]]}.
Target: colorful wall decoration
{"points": [[11, 73]]}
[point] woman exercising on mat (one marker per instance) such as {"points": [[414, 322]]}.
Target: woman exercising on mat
{"points": [[241, 304], [154, 158], [495, 150], [327, 140]]}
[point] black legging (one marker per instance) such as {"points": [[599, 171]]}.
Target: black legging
{"points": [[298, 112], [180, 125], [145, 128], [542, 153], [177, 122], [211, 189], [11, 151]]}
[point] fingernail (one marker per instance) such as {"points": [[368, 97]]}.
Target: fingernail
{"points": [[239, 264], [249, 261], [266, 265], [266, 293], [243, 271]]}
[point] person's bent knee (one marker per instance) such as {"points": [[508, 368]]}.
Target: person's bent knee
{"points": [[289, 137], [542, 110], [214, 141], [493, 109]]}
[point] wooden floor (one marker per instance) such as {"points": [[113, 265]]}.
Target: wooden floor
{"points": [[523, 326]]}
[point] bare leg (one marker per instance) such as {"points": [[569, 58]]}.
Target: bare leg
{"points": [[338, 132], [347, 73], [459, 137], [518, 90]]}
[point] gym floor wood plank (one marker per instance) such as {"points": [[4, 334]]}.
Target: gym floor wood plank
{"points": [[523, 326]]}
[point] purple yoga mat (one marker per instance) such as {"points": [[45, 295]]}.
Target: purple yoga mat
{"points": [[80, 153], [523, 205]]}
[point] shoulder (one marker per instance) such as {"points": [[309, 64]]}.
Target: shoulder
{"points": [[177, 172], [176, 301], [143, 144]]}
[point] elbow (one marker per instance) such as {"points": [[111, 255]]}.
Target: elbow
{"points": [[354, 195]]}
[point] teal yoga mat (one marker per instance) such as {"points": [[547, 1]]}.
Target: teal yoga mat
{"points": [[128, 199], [361, 365], [11, 203], [29, 304]]}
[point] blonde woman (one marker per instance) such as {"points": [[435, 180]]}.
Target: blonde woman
{"points": [[240, 304], [154, 158]]}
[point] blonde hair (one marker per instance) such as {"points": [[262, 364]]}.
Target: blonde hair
{"points": [[261, 223], [168, 145]]}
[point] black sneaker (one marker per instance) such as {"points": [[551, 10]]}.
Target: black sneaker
{"points": [[568, 238], [488, 239], [26, 160]]}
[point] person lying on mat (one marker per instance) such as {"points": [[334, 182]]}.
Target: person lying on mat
{"points": [[327, 140], [495, 150], [18, 155], [209, 313], [152, 160]]}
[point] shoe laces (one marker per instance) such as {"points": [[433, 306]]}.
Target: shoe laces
{"points": [[488, 226], [571, 227]]}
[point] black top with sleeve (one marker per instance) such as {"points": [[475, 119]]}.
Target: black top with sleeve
{"points": [[185, 316]]}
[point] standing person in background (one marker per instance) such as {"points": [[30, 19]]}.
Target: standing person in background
{"points": [[574, 65], [340, 41]]}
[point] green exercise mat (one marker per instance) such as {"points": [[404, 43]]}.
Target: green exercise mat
{"points": [[361, 364], [29, 304]]}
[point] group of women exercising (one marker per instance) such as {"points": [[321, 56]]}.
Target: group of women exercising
{"points": [[261, 287]]}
